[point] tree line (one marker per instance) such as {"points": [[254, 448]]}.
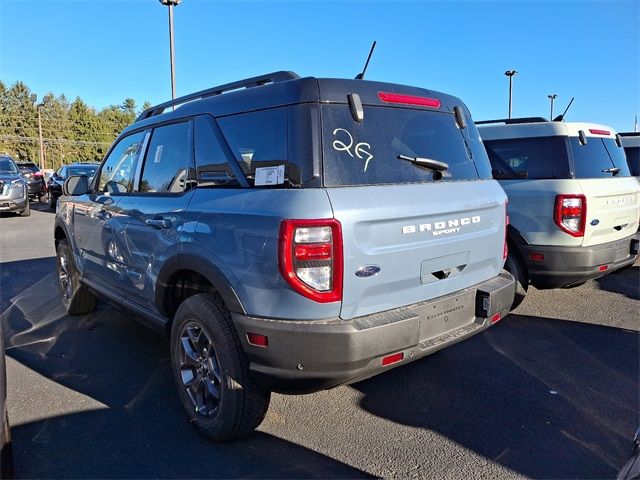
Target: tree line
{"points": [[72, 131]]}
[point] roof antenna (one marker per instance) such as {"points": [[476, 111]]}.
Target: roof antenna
{"points": [[560, 118], [360, 76]]}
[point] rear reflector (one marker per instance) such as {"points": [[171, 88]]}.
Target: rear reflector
{"points": [[603, 268], [258, 340], [596, 131], [496, 317], [393, 358], [408, 99], [536, 257]]}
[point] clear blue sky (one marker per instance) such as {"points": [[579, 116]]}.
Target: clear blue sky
{"points": [[105, 51]]}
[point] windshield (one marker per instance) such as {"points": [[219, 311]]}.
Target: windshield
{"points": [[367, 153], [7, 166], [599, 158], [87, 171]]}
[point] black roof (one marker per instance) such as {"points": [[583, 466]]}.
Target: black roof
{"points": [[279, 89]]}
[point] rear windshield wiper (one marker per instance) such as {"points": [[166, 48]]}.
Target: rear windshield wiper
{"points": [[426, 162], [615, 170]]}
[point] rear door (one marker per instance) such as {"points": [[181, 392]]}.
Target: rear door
{"points": [[426, 237], [613, 196]]}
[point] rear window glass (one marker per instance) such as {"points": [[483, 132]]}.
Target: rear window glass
{"points": [[528, 158], [633, 159], [367, 153], [598, 157], [87, 171]]}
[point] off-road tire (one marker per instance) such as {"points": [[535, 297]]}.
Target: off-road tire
{"points": [[27, 211], [241, 404], [514, 266], [76, 297]]}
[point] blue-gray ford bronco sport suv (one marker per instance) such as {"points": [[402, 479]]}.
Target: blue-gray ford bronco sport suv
{"points": [[291, 235]]}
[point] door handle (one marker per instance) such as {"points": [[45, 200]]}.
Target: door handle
{"points": [[158, 223]]}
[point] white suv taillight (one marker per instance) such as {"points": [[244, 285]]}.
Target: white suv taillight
{"points": [[570, 214], [310, 257]]}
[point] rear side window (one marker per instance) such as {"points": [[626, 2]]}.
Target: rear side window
{"points": [[212, 158], [367, 153], [599, 158], [528, 158], [167, 159], [633, 159]]}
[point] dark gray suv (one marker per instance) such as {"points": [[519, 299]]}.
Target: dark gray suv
{"points": [[291, 235]]}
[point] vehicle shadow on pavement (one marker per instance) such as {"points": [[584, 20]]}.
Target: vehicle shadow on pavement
{"points": [[142, 432], [546, 398], [624, 282]]}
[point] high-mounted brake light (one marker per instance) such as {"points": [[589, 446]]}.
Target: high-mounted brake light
{"points": [[570, 214], [409, 99], [597, 131], [310, 258]]}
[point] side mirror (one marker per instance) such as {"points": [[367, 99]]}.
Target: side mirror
{"points": [[76, 185]]}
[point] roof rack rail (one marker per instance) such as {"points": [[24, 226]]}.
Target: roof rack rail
{"points": [[273, 77], [630, 134], [509, 121]]}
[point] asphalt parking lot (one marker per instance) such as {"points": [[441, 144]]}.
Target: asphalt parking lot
{"points": [[552, 391]]}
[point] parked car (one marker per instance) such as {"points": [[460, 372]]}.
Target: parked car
{"points": [[292, 235], [35, 179], [57, 178], [13, 188], [631, 145], [573, 206]]}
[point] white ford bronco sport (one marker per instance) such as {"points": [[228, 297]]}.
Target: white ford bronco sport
{"points": [[573, 205]]}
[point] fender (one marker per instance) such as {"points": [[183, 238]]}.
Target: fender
{"points": [[202, 266]]}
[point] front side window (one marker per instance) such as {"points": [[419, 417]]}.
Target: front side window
{"points": [[599, 158], [528, 158], [167, 159], [118, 170]]}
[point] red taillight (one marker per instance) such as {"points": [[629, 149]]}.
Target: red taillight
{"points": [[310, 257], [393, 358], [597, 131], [570, 214], [37, 174], [409, 99], [258, 340]]}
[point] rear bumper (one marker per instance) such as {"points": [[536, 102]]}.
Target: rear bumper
{"points": [[566, 266], [307, 356]]}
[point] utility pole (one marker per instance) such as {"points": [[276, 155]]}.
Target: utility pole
{"points": [[171, 4], [510, 74], [552, 97], [34, 99]]}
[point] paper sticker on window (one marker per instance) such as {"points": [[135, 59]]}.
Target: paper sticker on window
{"points": [[158, 155], [269, 175]]}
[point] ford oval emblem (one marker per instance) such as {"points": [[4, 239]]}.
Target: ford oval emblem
{"points": [[595, 221], [367, 271]]}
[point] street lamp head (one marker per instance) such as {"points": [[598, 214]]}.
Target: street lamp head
{"points": [[510, 73], [552, 97], [169, 3]]}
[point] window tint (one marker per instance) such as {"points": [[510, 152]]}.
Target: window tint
{"points": [[633, 159], [118, 170], [167, 159], [259, 139], [598, 157], [7, 165], [87, 171], [532, 158], [367, 153], [212, 159]]}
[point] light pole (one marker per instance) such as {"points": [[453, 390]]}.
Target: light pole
{"points": [[552, 98], [34, 99], [510, 74], [171, 4]]}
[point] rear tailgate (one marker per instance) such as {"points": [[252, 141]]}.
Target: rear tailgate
{"points": [[613, 209], [428, 240]]}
